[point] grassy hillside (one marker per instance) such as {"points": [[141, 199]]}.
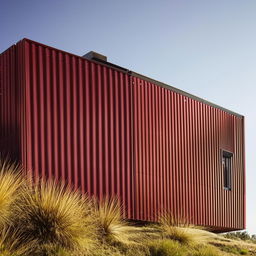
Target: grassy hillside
{"points": [[45, 218]]}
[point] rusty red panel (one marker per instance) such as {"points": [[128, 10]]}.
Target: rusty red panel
{"points": [[108, 131], [186, 138]]}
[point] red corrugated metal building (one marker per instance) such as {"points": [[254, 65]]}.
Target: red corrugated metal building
{"points": [[110, 131]]}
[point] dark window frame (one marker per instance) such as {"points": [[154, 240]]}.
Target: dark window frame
{"points": [[227, 164]]}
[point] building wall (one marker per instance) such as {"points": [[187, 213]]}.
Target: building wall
{"points": [[178, 164], [111, 132]]}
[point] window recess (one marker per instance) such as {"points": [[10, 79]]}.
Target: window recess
{"points": [[227, 169]]}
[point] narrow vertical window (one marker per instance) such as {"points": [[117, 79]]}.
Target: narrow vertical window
{"points": [[227, 169]]}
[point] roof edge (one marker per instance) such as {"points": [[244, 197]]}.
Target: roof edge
{"points": [[174, 89], [135, 74]]}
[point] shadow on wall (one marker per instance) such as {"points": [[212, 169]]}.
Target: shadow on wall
{"points": [[10, 143]]}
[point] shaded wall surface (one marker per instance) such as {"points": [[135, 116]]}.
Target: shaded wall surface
{"points": [[109, 131]]}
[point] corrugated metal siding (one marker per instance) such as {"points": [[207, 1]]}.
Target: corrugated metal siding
{"points": [[177, 152], [113, 133], [10, 104], [78, 123]]}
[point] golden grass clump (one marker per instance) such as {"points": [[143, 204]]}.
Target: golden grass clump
{"points": [[206, 251], [166, 247], [179, 230], [180, 235], [111, 226], [10, 244], [52, 217], [10, 190], [174, 228]]}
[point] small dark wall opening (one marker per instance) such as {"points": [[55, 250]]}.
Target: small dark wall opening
{"points": [[227, 169]]}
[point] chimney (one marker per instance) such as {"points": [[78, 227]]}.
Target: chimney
{"points": [[95, 56]]}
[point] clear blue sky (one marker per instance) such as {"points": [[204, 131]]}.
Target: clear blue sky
{"points": [[206, 47]]}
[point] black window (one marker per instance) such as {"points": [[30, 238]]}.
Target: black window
{"points": [[227, 168]]}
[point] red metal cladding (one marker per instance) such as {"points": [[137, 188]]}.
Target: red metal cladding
{"points": [[113, 132], [79, 123], [10, 103], [180, 172]]}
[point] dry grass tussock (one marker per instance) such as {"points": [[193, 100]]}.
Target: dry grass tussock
{"points": [[179, 230], [206, 251], [111, 226], [11, 184], [50, 216], [166, 247], [10, 244]]}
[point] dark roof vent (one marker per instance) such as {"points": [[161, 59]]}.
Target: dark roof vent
{"points": [[102, 59], [95, 56]]}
